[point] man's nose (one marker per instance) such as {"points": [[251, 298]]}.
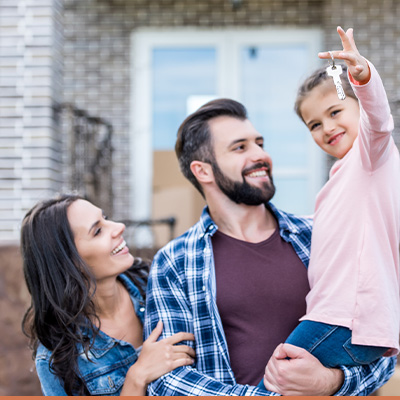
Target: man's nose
{"points": [[259, 154]]}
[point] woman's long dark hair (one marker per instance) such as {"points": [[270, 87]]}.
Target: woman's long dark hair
{"points": [[62, 288]]}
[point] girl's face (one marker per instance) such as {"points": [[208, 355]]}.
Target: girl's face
{"points": [[333, 123], [99, 241]]}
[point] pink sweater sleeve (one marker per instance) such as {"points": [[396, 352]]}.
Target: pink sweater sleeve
{"points": [[376, 122]]}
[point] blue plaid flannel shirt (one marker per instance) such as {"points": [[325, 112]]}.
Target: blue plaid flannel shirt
{"points": [[182, 293]]}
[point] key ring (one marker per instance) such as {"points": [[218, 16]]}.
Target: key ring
{"points": [[333, 60]]}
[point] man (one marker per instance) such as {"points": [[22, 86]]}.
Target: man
{"points": [[237, 279]]}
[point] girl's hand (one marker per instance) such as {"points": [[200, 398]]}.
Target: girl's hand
{"points": [[157, 359], [356, 63]]}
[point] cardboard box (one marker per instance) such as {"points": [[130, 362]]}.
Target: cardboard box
{"points": [[173, 196]]}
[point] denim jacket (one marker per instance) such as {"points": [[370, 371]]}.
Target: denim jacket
{"points": [[109, 359]]}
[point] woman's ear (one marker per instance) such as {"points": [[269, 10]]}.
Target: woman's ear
{"points": [[202, 171]]}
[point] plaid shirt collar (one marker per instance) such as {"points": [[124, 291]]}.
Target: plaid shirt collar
{"points": [[285, 221], [293, 229]]}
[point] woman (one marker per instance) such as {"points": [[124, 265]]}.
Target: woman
{"points": [[86, 315]]}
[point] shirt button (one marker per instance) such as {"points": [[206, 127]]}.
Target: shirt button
{"points": [[141, 309]]}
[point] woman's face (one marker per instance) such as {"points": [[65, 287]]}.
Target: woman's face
{"points": [[99, 241]]}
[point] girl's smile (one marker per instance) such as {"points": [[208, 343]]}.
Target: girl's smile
{"points": [[335, 139]]}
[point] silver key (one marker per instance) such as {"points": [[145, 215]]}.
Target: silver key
{"points": [[335, 71]]}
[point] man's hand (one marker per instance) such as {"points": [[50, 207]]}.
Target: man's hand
{"points": [[300, 375]]}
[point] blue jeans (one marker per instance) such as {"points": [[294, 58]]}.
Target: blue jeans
{"points": [[332, 346]]}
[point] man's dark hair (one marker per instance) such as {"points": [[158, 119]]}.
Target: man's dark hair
{"points": [[194, 139]]}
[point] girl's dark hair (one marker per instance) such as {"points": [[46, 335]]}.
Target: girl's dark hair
{"points": [[62, 286], [317, 78], [194, 140]]}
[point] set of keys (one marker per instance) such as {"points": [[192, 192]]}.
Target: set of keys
{"points": [[335, 71]]}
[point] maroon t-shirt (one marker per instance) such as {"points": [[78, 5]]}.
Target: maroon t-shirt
{"points": [[261, 291]]}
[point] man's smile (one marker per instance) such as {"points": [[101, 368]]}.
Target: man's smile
{"points": [[257, 173]]}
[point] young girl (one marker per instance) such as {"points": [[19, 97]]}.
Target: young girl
{"points": [[86, 316], [353, 310]]}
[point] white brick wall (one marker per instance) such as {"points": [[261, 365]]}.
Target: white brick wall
{"points": [[30, 84]]}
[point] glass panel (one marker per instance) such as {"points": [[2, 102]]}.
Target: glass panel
{"points": [[270, 78], [270, 75], [293, 194], [179, 75]]}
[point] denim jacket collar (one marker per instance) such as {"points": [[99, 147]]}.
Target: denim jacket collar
{"points": [[103, 343]]}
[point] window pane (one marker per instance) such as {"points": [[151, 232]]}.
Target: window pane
{"points": [[292, 195], [270, 75], [179, 74], [270, 78]]}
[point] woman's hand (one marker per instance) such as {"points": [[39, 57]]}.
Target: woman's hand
{"points": [[157, 359], [356, 63], [293, 371]]}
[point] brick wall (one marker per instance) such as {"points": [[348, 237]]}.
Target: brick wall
{"points": [[30, 83]]}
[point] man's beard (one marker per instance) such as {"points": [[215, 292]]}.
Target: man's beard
{"points": [[243, 192]]}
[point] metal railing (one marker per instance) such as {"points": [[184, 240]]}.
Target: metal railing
{"points": [[87, 143], [134, 228]]}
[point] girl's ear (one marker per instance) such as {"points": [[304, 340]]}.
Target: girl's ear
{"points": [[202, 171]]}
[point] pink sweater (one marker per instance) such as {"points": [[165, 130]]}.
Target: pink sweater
{"points": [[354, 266]]}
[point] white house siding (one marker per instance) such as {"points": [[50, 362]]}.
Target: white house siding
{"points": [[30, 84]]}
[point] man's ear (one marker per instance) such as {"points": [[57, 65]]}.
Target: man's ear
{"points": [[202, 171]]}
